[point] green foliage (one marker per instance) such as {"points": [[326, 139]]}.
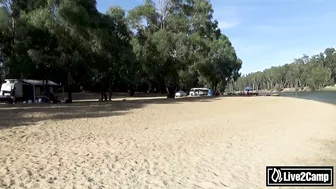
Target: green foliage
{"points": [[158, 46], [314, 72]]}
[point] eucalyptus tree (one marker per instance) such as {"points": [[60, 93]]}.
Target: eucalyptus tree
{"points": [[164, 46], [128, 69], [212, 52]]}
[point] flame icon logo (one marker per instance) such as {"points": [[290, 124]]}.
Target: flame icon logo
{"points": [[276, 175]]}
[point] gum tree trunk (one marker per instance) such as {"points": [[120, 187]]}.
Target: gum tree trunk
{"points": [[171, 90], [69, 87]]}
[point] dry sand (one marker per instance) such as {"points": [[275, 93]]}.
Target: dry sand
{"points": [[214, 143]]}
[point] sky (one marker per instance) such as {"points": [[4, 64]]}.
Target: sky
{"points": [[268, 33]]}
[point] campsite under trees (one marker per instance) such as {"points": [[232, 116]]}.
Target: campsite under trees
{"points": [[160, 46]]}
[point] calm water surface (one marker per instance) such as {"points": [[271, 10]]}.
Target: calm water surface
{"points": [[322, 96]]}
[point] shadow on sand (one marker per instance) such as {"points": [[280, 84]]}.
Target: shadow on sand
{"points": [[28, 114]]}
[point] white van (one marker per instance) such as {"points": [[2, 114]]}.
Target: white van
{"points": [[199, 92]]}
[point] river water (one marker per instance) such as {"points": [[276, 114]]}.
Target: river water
{"points": [[322, 96]]}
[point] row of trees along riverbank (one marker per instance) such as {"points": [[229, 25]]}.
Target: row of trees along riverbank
{"points": [[312, 73], [159, 46]]}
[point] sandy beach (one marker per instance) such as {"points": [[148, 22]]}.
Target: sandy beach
{"points": [[198, 143]]}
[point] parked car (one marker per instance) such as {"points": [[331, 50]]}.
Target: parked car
{"points": [[180, 94]]}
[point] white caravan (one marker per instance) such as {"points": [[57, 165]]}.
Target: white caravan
{"points": [[24, 89], [13, 86], [199, 92]]}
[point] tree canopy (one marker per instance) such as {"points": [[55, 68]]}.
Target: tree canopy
{"points": [[159, 46]]}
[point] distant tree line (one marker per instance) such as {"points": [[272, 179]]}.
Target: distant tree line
{"points": [[313, 72], [160, 46]]}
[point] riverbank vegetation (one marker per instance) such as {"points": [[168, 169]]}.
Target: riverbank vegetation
{"points": [[306, 73], [160, 46]]}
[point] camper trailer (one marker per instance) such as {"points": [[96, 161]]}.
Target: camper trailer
{"points": [[199, 92], [13, 90]]}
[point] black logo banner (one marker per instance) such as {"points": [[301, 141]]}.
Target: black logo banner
{"points": [[299, 176]]}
